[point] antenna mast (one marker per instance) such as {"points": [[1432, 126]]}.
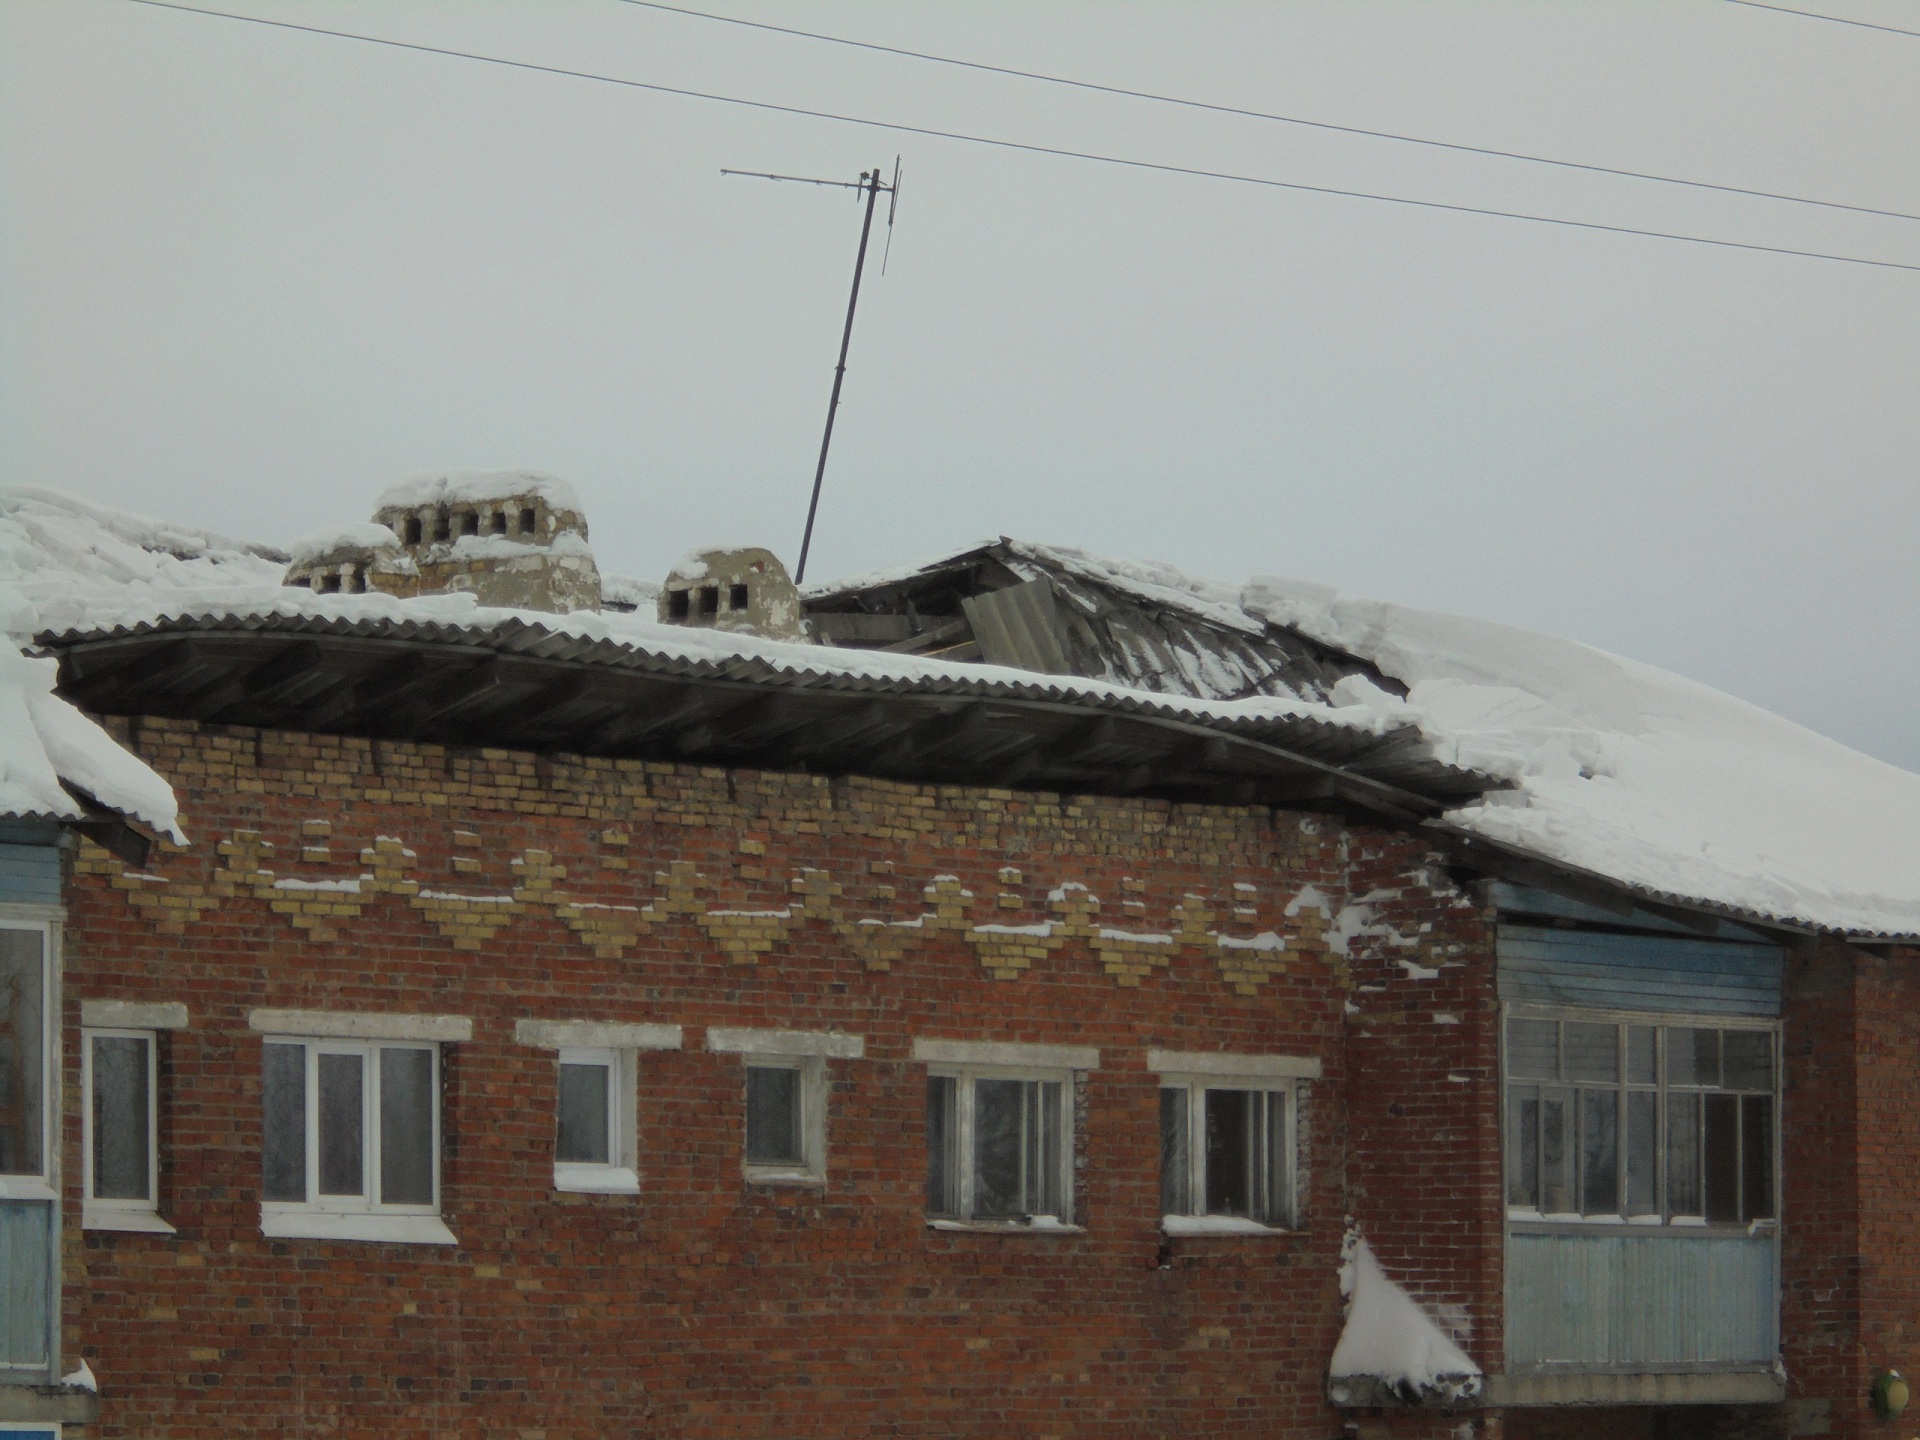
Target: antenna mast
{"points": [[871, 183]]}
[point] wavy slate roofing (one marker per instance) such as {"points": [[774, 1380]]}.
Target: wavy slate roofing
{"points": [[1507, 744]]}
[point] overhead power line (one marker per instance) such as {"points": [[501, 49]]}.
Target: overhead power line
{"points": [[1836, 19], [1247, 114], [1029, 148]]}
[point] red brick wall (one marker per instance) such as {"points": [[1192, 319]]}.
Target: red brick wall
{"points": [[704, 1306]]}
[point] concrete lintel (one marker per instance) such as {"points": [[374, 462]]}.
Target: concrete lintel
{"points": [[356, 1025], [1011, 1054], [595, 1035], [133, 1014], [63, 1404]]}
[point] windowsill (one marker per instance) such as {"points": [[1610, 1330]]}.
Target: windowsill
{"points": [[1687, 1226], [1217, 1225], [93, 1217], [26, 1187], [596, 1180], [1038, 1225], [784, 1175], [326, 1225]]}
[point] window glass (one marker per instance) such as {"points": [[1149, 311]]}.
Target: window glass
{"points": [[585, 1126], [1593, 1052], [774, 1134], [1005, 1134], [1643, 1152], [943, 1135], [406, 1126], [1748, 1058], [284, 1101], [122, 1110], [1176, 1188], [1556, 1152], [1693, 1056], [22, 1054], [1684, 1193], [1756, 1156], [1233, 1132], [1533, 1049], [1722, 1158], [1599, 1152], [1523, 1146], [342, 1124], [1641, 1058]]}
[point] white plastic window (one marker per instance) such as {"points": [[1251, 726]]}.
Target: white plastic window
{"points": [[119, 1071], [1000, 1147], [351, 1129], [593, 1145]]}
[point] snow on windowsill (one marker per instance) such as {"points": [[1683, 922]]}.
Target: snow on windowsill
{"points": [[1032, 1225], [298, 1224], [794, 1175], [26, 1187], [596, 1179], [146, 1222], [1217, 1225]]}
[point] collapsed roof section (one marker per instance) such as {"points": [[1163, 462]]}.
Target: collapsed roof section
{"points": [[1061, 612]]}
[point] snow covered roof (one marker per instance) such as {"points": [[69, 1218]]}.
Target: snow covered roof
{"points": [[477, 487], [46, 745], [334, 539], [1617, 769]]}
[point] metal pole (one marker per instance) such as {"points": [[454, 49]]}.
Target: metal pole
{"points": [[871, 184]]}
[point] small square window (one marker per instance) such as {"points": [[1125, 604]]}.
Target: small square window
{"points": [[413, 530], [709, 599], [499, 522], [593, 1147], [679, 604], [529, 520], [1226, 1154], [736, 597], [786, 1118], [443, 525], [119, 1078], [470, 522]]}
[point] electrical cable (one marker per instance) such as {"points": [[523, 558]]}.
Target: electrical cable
{"points": [[1029, 148], [1816, 15], [1236, 110]]}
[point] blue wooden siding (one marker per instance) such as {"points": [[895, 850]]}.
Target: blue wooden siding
{"points": [[29, 874], [1634, 1302], [1613, 971], [26, 1241]]}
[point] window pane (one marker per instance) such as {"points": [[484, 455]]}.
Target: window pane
{"points": [[1533, 1049], [1045, 1195], [1231, 1119], [342, 1123], [1599, 1152], [1683, 1154], [1276, 1204], [406, 1127], [1556, 1152], [22, 1063], [283, 1103], [1640, 1056], [583, 1135], [1756, 1156], [1693, 1057], [1176, 1190], [943, 1130], [773, 1116], [120, 1162], [1593, 1053], [1000, 1125], [1523, 1146], [1749, 1059], [1643, 1150], [1723, 1158]]}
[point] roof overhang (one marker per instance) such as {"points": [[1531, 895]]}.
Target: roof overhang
{"points": [[520, 686]]}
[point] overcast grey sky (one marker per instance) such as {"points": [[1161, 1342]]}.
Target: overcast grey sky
{"points": [[248, 276]]}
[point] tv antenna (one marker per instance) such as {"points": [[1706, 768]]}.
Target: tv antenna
{"points": [[871, 184]]}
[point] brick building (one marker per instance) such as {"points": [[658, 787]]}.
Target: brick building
{"points": [[610, 1024]]}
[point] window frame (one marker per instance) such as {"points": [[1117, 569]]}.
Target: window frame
{"points": [[619, 1174], [357, 1217], [1286, 1093], [967, 1077], [811, 1168], [105, 1213], [1665, 1221], [42, 1184]]}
